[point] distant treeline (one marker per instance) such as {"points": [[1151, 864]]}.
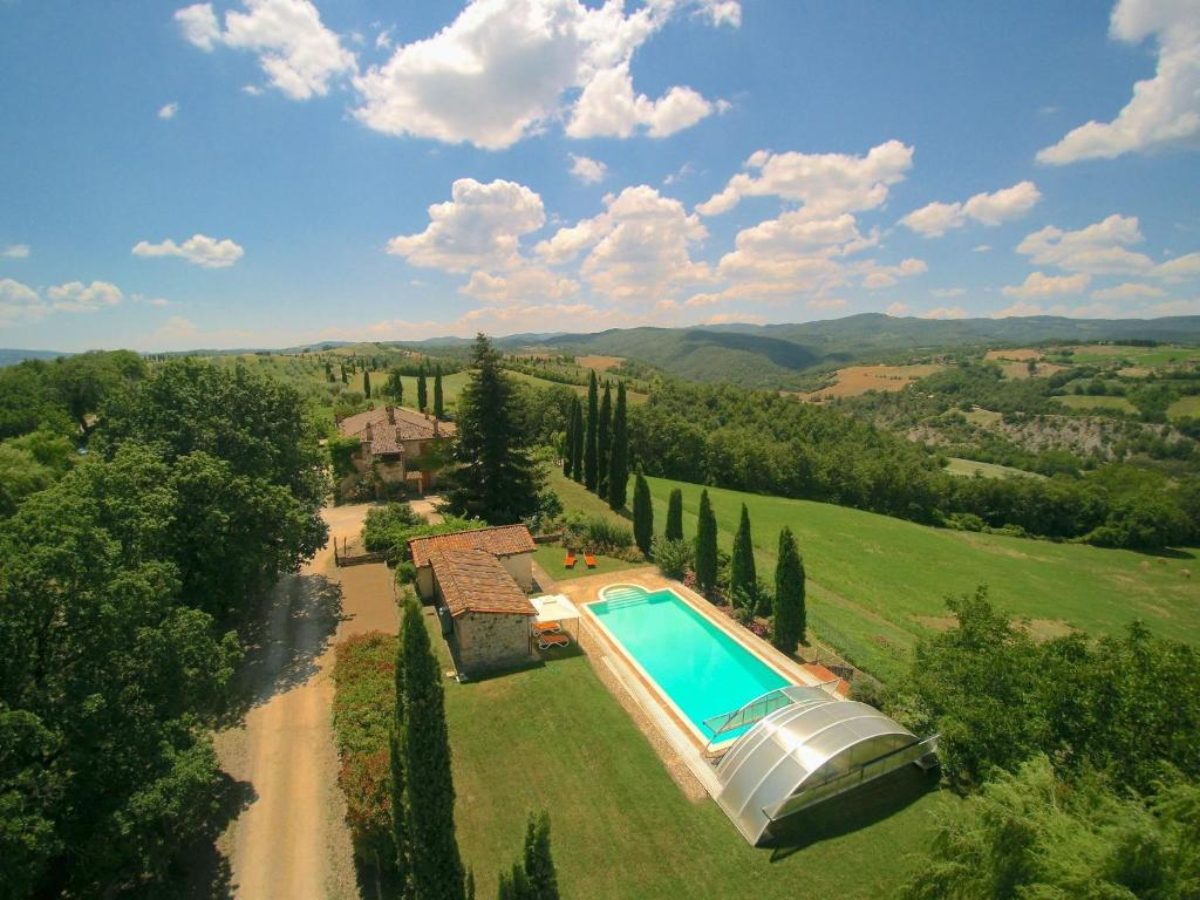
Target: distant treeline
{"points": [[770, 444]]}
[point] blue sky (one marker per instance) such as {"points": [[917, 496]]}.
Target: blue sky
{"points": [[268, 172]]}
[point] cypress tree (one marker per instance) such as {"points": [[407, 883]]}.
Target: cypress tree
{"points": [[569, 441], [706, 545], [367, 385], [439, 405], [742, 576], [400, 838], [577, 443], [345, 378], [675, 516], [604, 442], [791, 617], [539, 864], [437, 870], [589, 437], [395, 386], [618, 463], [643, 515], [422, 390]]}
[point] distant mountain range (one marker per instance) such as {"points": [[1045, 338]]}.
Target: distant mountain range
{"points": [[12, 357], [772, 356], [777, 355]]}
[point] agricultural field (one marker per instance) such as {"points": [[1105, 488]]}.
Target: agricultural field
{"points": [[631, 397], [969, 468], [599, 363], [1088, 403], [1168, 355], [854, 380], [1185, 406], [878, 584]]}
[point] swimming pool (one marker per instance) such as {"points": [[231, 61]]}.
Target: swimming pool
{"points": [[702, 670]]}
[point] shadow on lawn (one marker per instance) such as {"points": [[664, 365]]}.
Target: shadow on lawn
{"points": [[871, 803]]}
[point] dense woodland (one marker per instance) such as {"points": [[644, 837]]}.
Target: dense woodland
{"points": [[147, 514]]}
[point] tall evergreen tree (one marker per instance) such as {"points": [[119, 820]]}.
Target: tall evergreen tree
{"points": [[495, 480], [577, 442], [675, 516], [604, 442], [618, 462], [395, 387], [589, 436], [400, 836], [569, 440], [791, 617], [706, 545], [742, 576], [422, 389], [437, 870], [367, 384], [439, 403], [345, 377], [539, 863], [643, 515]]}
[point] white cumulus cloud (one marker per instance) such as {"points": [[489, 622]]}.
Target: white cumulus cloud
{"points": [[1039, 284], [587, 170], [299, 55], [504, 69], [168, 111], [16, 251], [944, 312], [1099, 249], [827, 184], [1004, 205], [18, 302], [479, 227], [1165, 109], [1127, 291], [199, 250], [75, 296]]}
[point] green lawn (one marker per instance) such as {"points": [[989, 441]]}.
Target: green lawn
{"points": [[877, 584], [554, 738], [550, 557], [969, 468], [1081, 401], [632, 398]]}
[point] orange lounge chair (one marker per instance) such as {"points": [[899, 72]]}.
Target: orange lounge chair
{"points": [[569, 562], [546, 641], [546, 627], [590, 560]]}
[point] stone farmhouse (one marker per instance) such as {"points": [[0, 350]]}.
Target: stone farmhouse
{"points": [[479, 582], [396, 444]]}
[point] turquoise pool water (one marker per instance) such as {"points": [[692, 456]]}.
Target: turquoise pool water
{"points": [[703, 670]]}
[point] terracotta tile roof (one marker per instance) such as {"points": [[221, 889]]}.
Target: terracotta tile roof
{"points": [[474, 581], [502, 540], [387, 427]]}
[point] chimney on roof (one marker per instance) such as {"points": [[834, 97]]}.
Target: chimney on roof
{"points": [[369, 431], [391, 414], [399, 436], [435, 427]]}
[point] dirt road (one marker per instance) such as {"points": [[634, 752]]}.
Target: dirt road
{"points": [[291, 841]]}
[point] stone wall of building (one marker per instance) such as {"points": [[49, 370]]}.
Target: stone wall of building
{"points": [[490, 641]]}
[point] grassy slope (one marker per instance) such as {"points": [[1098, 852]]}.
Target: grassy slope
{"points": [[876, 582], [554, 738], [969, 467], [581, 389], [1184, 406], [1081, 401]]}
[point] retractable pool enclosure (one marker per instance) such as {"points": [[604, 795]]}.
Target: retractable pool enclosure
{"points": [[813, 748]]}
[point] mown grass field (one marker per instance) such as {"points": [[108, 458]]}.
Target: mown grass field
{"points": [[1149, 357], [634, 399], [554, 738], [877, 584], [550, 557]]}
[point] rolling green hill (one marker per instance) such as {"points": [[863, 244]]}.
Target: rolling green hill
{"points": [[777, 356]]}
